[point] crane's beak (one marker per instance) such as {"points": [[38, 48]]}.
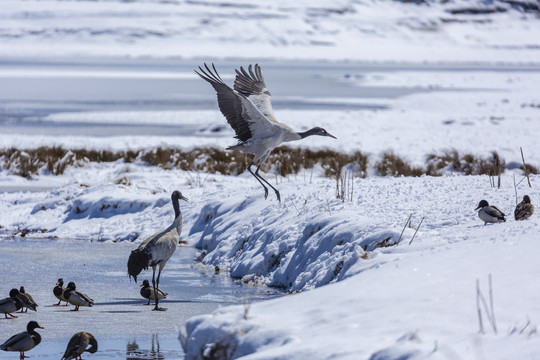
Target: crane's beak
{"points": [[184, 198], [332, 136]]}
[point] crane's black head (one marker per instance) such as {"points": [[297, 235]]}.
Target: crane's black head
{"points": [[316, 131], [526, 199], [178, 195], [13, 293], [71, 286], [145, 283], [482, 204], [32, 325]]}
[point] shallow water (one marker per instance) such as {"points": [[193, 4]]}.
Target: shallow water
{"points": [[124, 326]]}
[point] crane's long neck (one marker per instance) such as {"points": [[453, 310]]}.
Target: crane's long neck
{"points": [[305, 134], [177, 216], [176, 206]]}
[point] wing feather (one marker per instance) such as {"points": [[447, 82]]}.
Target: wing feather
{"points": [[495, 212], [229, 103], [242, 112], [252, 86]]}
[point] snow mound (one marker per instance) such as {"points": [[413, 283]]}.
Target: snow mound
{"points": [[286, 247]]}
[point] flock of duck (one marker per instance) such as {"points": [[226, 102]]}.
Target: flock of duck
{"points": [[153, 252], [491, 214], [27, 340]]}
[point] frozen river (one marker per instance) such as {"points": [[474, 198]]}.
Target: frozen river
{"points": [[31, 90], [124, 326]]}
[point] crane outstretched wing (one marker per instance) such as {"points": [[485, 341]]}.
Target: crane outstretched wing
{"points": [[241, 112], [251, 84]]}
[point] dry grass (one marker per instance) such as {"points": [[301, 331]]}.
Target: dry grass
{"points": [[283, 161], [467, 164], [393, 165]]}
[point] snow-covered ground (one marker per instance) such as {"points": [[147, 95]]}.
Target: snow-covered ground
{"points": [[414, 298], [324, 30], [389, 75]]}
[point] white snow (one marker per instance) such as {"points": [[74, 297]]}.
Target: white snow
{"points": [[345, 29], [354, 291]]}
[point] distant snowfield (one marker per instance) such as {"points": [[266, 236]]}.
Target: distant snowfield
{"points": [[352, 297], [341, 30]]}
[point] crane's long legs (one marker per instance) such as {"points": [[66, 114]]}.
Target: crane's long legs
{"points": [[156, 286], [259, 178]]}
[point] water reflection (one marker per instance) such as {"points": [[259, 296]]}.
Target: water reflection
{"points": [[133, 352]]}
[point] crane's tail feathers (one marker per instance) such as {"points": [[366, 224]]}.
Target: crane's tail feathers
{"points": [[138, 260]]}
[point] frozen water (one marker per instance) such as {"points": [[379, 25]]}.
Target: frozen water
{"points": [[120, 320]]}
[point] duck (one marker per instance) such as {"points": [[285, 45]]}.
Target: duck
{"points": [[79, 344], [77, 298], [147, 292], [58, 291], [489, 213], [524, 209], [11, 304], [23, 341], [29, 299]]}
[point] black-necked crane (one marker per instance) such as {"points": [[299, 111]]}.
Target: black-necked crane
{"points": [[79, 344], [23, 341], [158, 248], [248, 110]]}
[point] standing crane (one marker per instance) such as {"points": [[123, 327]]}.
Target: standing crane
{"points": [[158, 248], [248, 110]]}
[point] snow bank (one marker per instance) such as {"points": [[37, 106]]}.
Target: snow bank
{"points": [[406, 301]]}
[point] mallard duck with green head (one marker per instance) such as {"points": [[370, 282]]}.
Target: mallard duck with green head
{"points": [[489, 213], [148, 292], [11, 304], [76, 297], [23, 341]]}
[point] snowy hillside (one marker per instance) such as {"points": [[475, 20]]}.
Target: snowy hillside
{"points": [[332, 30]]}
